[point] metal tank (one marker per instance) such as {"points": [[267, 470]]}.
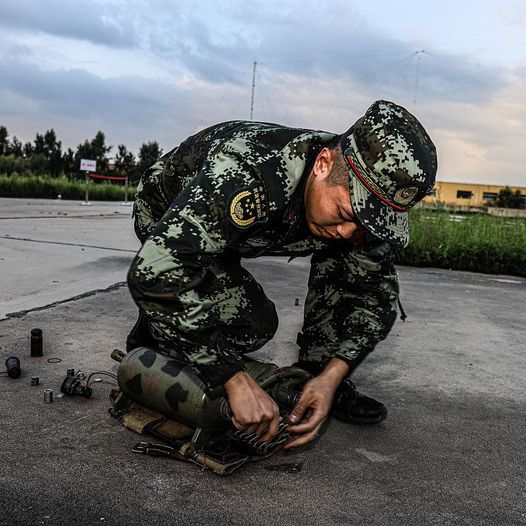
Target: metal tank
{"points": [[168, 386]]}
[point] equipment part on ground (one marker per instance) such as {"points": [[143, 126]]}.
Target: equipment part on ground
{"points": [[156, 388], [170, 387], [80, 375], [35, 380], [71, 386], [54, 360], [97, 380], [48, 396], [70, 372], [250, 442], [37, 347], [13, 367]]}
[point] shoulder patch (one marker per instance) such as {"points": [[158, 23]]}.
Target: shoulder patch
{"points": [[248, 206]]}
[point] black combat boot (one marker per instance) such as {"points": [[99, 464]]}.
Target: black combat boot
{"points": [[140, 335], [349, 405], [354, 408]]}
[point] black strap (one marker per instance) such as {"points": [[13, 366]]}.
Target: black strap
{"points": [[403, 315]]}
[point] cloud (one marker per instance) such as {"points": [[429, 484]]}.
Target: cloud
{"points": [[81, 19], [130, 110], [217, 42], [160, 70]]}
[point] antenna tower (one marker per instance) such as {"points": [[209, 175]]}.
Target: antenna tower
{"points": [[253, 90]]}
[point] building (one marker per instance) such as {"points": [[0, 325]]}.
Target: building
{"points": [[468, 194]]}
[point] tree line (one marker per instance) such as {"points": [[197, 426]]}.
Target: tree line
{"points": [[45, 155]]}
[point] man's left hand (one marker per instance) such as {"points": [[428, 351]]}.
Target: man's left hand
{"points": [[315, 403]]}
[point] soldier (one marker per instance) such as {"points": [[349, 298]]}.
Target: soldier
{"points": [[245, 189]]}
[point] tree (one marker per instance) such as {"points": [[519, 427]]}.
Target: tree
{"points": [[148, 155], [53, 152], [95, 149], [507, 198], [125, 161], [49, 148], [68, 161], [28, 149], [4, 141], [15, 147]]}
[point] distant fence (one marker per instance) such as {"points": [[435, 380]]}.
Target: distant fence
{"points": [[506, 212], [110, 177], [491, 210]]}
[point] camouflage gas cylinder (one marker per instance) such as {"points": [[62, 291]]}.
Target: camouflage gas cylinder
{"points": [[171, 388]]}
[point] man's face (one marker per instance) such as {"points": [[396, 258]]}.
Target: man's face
{"points": [[328, 208]]}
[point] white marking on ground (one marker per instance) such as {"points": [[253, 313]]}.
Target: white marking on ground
{"points": [[376, 457]]}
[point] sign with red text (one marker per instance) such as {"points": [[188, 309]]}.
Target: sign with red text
{"points": [[88, 165]]}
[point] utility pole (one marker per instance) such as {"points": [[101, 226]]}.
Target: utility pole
{"points": [[418, 55], [253, 90]]}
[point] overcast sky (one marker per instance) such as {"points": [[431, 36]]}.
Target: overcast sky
{"points": [[161, 70]]}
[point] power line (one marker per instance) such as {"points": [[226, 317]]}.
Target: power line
{"points": [[328, 59]]}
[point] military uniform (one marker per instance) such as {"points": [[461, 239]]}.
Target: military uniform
{"points": [[236, 190]]}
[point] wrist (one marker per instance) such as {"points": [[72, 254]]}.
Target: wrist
{"points": [[335, 370], [238, 380]]}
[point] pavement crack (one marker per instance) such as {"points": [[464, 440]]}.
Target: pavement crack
{"points": [[68, 244], [22, 313]]}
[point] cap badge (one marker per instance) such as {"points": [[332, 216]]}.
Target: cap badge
{"points": [[405, 195]]}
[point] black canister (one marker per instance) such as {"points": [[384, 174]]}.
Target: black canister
{"points": [[36, 343], [13, 367]]}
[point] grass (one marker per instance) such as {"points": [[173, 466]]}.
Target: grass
{"points": [[474, 242], [50, 187]]}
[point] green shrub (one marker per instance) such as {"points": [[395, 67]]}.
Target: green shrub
{"points": [[477, 242], [43, 187]]}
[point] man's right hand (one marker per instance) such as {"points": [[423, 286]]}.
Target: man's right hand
{"points": [[253, 410]]}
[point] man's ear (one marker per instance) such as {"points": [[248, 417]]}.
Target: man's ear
{"points": [[323, 163]]}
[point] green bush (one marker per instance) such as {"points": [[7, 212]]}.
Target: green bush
{"points": [[475, 242], [15, 185]]}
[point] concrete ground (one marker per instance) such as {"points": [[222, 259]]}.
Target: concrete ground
{"points": [[451, 452]]}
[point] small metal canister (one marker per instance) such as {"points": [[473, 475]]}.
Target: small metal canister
{"points": [[36, 343], [48, 396], [35, 380]]}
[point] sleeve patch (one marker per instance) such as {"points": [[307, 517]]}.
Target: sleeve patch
{"points": [[248, 206]]}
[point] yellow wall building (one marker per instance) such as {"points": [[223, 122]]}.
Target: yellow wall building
{"points": [[468, 194]]}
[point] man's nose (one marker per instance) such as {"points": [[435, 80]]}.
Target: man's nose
{"points": [[346, 230]]}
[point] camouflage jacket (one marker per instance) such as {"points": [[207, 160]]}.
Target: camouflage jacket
{"points": [[237, 187]]}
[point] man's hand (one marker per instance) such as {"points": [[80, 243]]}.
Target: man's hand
{"points": [[315, 403], [253, 409]]}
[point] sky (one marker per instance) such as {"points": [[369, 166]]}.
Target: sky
{"points": [[142, 70]]}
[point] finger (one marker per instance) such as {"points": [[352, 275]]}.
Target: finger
{"points": [[262, 427], [299, 410], [237, 425], [252, 428], [272, 430], [302, 439], [313, 422]]}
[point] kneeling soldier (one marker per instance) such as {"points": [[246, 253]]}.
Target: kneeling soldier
{"points": [[245, 189]]}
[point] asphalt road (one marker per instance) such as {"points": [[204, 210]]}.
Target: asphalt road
{"points": [[451, 452]]}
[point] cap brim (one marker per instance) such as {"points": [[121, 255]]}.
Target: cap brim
{"points": [[377, 217]]}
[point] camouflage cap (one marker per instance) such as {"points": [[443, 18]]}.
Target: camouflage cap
{"points": [[392, 164]]}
